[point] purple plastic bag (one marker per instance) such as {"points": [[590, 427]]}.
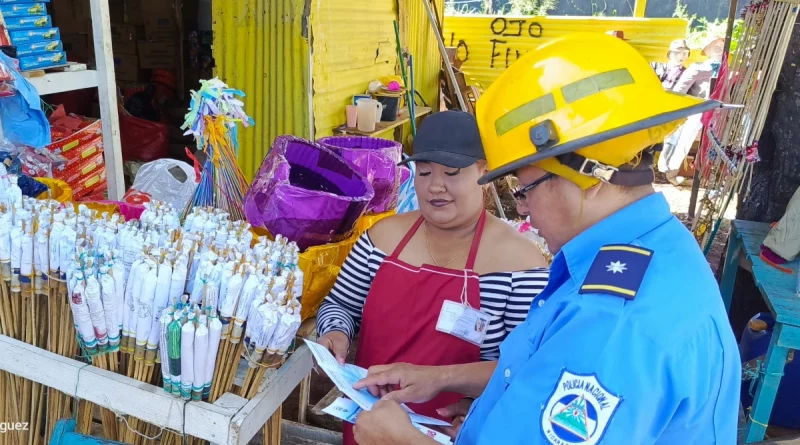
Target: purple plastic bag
{"points": [[306, 193], [376, 160]]}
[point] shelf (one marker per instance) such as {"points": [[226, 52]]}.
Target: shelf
{"points": [[381, 127], [231, 420], [52, 83]]}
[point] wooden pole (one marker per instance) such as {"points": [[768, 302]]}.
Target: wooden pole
{"points": [[640, 8], [107, 90]]}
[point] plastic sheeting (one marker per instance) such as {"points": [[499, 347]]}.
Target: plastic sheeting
{"points": [[407, 200], [306, 193], [376, 160], [22, 117]]}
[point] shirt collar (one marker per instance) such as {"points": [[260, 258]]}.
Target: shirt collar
{"points": [[623, 227]]}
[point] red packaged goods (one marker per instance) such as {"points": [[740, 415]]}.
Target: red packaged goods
{"points": [[87, 136], [91, 184], [72, 174]]}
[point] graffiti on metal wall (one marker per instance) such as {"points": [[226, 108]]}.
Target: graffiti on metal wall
{"points": [[504, 33]]}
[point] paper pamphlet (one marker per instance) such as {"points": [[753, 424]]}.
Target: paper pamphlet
{"points": [[349, 410], [345, 376]]}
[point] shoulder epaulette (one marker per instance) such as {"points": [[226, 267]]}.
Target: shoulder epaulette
{"points": [[618, 269]]}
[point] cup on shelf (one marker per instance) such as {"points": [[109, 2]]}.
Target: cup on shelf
{"points": [[352, 116]]}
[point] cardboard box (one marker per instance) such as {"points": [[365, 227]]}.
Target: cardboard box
{"points": [[81, 170], [42, 61], [123, 38], [161, 28], [23, 9], [158, 55], [79, 47], [34, 35], [28, 22], [72, 16], [83, 152], [90, 184], [29, 49], [138, 11], [116, 11], [77, 145], [126, 67]]}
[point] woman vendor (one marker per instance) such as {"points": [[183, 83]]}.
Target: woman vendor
{"points": [[411, 276]]}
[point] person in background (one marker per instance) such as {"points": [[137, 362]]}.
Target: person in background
{"points": [[669, 72], [695, 81], [630, 342], [450, 257]]}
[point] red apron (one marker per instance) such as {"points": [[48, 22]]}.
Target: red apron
{"points": [[398, 322]]}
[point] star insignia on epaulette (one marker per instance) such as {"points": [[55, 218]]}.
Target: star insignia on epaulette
{"points": [[618, 269]]}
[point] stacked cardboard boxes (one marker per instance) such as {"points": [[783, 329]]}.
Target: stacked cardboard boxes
{"points": [[144, 35], [31, 30], [85, 170], [126, 55], [159, 47]]}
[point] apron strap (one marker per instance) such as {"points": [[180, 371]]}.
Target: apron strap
{"points": [[473, 251], [476, 242], [407, 238]]}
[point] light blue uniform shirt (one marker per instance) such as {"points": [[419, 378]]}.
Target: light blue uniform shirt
{"points": [[628, 344]]}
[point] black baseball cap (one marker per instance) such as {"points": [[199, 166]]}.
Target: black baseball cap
{"points": [[449, 138]]}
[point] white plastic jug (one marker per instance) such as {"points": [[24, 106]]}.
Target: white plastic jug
{"points": [[368, 112]]}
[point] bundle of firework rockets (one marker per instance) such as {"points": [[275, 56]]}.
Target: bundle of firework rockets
{"points": [[195, 297], [214, 113]]}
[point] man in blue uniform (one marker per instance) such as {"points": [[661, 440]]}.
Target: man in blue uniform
{"points": [[629, 343]]}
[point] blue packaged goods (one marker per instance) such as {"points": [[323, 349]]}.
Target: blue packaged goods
{"points": [[28, 22], [29, 49], [34, 35], [41, 61], [23, 9], [9, 2]]}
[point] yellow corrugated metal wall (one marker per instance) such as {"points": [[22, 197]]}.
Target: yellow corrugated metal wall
{"points": [[353, 43], [417, 35], [488, 44], [260, 48]]}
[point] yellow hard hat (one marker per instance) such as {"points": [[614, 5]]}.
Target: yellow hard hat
{"points": [[579, 106]]}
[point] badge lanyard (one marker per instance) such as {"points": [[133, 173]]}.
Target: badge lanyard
{"points": [[462, 320]]}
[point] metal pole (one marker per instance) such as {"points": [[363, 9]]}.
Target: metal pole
{"points": [[443, 51]]}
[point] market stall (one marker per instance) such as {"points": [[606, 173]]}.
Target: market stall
{"points": [[177, 316]]}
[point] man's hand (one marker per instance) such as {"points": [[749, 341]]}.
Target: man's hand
{"points": [[418, 384], [387, 424], [336, 342], [458, 412]]}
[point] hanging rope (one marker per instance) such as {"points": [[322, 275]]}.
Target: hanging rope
{"points": [[728, 154]]}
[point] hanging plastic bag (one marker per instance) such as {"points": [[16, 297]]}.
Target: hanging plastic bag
{"points": [[165, 180], [306, 193], [407, 199], [143, 140]]}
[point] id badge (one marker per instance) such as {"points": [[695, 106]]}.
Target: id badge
{"points": [[463, 322]]}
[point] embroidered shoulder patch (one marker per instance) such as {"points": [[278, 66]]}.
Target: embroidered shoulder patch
{"points": [[578, 411], [618, 269]]}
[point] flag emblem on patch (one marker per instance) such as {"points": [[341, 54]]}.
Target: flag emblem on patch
{"points": [[578, 411], [618, 269]]}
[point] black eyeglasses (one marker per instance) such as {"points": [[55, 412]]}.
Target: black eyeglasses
{"points": [[520, 192]]}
